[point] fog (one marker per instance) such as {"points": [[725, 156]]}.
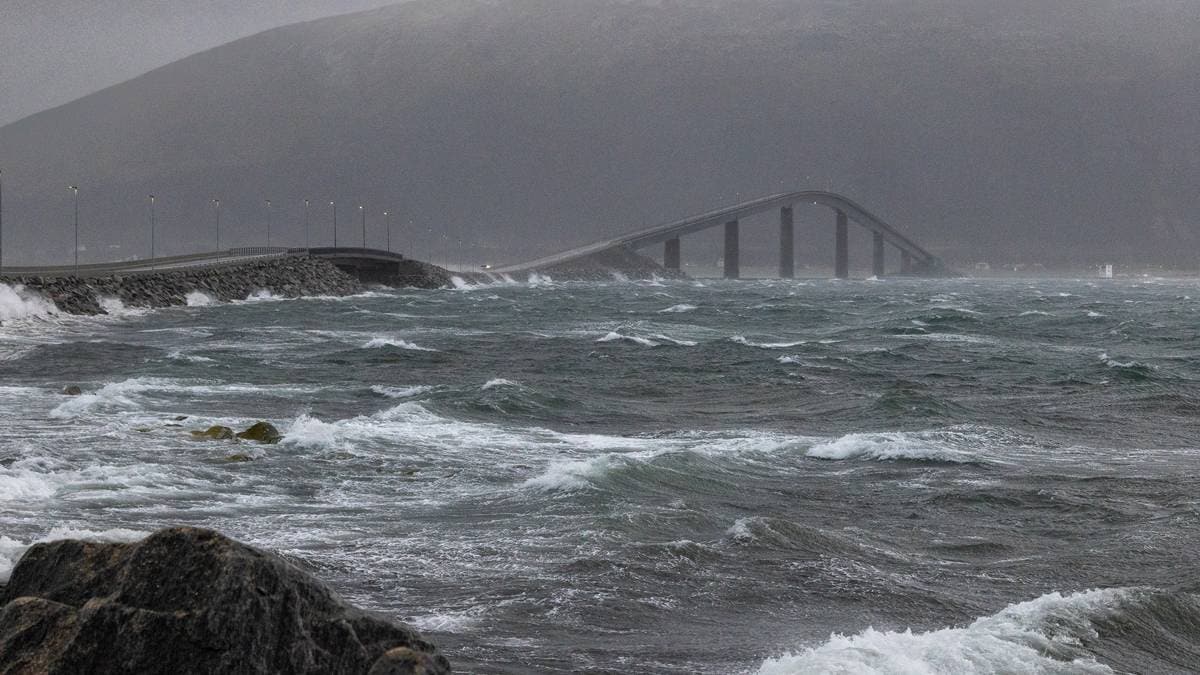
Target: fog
{"points": [[990, 130]]}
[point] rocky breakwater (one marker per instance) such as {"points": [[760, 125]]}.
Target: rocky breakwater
{"points": [[286, 277], [189, 600]]}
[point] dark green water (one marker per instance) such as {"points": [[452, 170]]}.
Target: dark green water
{"points": [[662, 478]]}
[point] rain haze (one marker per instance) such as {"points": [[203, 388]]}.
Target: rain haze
{"points": [[677, 337], [1060, 134]]}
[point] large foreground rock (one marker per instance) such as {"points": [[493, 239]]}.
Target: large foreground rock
{"points": [[188, 600]]}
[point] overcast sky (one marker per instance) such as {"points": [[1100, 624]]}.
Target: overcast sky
{"points": [[55, 51]]}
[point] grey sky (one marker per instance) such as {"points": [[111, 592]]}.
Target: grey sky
{"points": [[55, 51]]}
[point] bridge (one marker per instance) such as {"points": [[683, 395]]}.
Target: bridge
{"points": [[914, 260]]}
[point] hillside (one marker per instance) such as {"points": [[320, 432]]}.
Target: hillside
{"points": [[503, 129]]}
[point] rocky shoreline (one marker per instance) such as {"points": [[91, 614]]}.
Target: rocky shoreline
{"points": [[190, 600], [289, 277]]}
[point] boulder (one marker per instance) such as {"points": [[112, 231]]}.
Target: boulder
{"points": [[189, 600], [72, 390], [262, 432], [217, 433]]}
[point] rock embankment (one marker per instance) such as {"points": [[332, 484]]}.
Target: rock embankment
{"points": [[286, 277], [189, 600]]}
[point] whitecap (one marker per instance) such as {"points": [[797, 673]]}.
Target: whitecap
{"points": [[572, 475], [180, 355], [1039, 636], [499, 382], [889, 446], [614, 336], [380, 342], [741, 340], [401, 392], [1113, 363], [678, 309]]}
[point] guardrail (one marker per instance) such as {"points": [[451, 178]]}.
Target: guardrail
{"points": [[152, 265]]}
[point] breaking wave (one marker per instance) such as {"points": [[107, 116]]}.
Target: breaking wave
{"points": [[1054, 633], [199, 299], [19, 303], [892, 446]]}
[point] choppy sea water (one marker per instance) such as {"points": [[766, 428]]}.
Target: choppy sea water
{"points": [[684, 477]]}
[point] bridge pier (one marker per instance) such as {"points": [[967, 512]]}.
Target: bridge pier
{"points": [[841, 260], [906, 265], [878, 261], [787, 244], [732, 270], [671, 254]]}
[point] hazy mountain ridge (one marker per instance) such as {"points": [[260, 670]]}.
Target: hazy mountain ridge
{"points": [[534, 123]]}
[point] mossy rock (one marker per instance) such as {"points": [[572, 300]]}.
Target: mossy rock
{"points": [[262, 432], [217, 433]]}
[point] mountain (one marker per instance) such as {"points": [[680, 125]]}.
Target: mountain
{"points": [[502, 129], [58, 50]]}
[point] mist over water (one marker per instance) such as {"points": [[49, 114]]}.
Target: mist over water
{"points": [[661, 477]]}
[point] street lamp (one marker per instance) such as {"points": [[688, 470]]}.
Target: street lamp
{"points": [[1, 218], [334, 223], [387, 219], [152, 224], [268, 223], [364, 224], [75, 189], [217, 205], [305, 223]]}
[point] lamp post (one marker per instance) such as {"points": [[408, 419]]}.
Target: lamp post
{"points": [[152, 224], [334, 223], [217, 205], [363, 211], [1, 219], [75, 190], [305, 223], [268, 223], [387, 219]]}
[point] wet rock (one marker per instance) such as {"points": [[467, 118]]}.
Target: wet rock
{"points": [[238, 458], [180, 418], [217, 433], [72, 390], [404, 661], [262, 432], [188, 600]]}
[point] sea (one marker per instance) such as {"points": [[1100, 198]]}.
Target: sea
{"points": [[696, 476]]}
